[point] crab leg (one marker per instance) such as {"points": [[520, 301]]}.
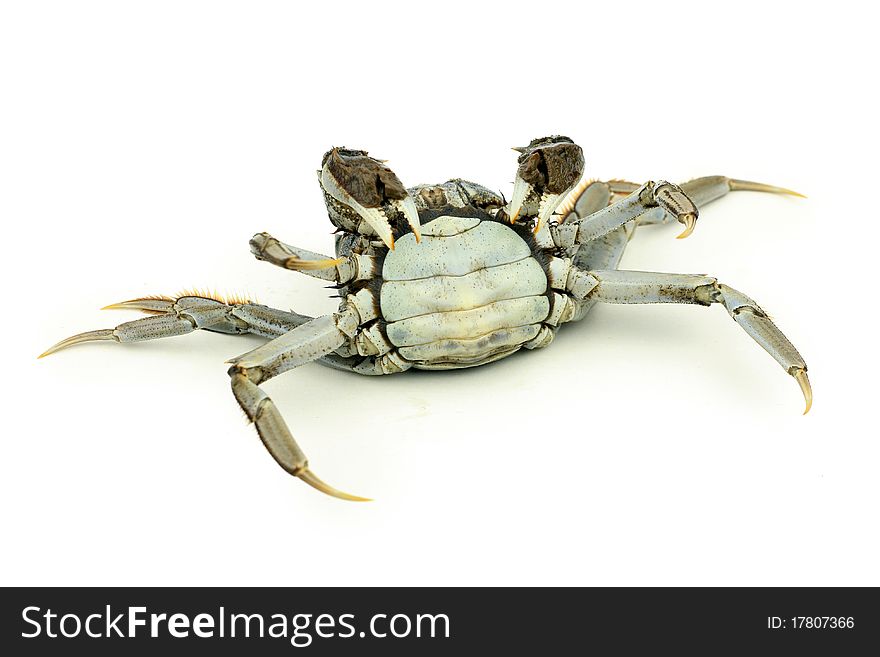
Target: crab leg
{"points": [[305, 341], [703, 191], [710, 188], [186, 314], [189, 313], [650, 198], [340, 270], [592, 196], [301, 345], [602, 253], [616, 286]]}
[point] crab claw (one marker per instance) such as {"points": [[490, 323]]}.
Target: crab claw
{"points": [[371, 189], [374, 217], [690, 221], [548, 169], [378, 221], [408, 207], [521, 190], [674, 201]]}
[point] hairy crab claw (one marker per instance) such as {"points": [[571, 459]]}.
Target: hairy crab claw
{"points": [[548, 169], [371, 189]]}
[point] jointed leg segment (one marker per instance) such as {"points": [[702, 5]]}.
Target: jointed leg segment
{"points": [[339, 270], [172, 317], [190, 312], [703, 191], [616, 286], [650, 201], [297, 340], [301, 345], [591, 196], [598, 196]]}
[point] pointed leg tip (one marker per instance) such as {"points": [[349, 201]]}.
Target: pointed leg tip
{"points": [[787, 192], [809, 404], [89, 336], [54, 348], [58, 346], [750, 186], [297, 264], [803, 380], [152, 305], [315, 482]]}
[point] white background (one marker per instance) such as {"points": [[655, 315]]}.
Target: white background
{"points": [[144, 143]]}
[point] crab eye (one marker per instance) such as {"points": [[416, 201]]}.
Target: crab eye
{"points": [[370, 188], [479, 196], [547, 169]]}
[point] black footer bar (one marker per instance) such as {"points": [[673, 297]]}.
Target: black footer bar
{"points": [[438, 620]]}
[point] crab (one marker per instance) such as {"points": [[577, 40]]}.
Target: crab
{"points": [[451, 276]]}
